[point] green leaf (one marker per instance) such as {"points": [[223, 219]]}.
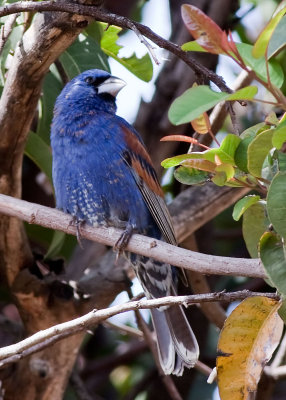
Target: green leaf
{"points": [[247, 136], [261, 44], [193, 46], [82, 55], [40, 153], [259, 67], [254, 224], [242, 205], [279, 135], [190, 176], [254, 130], [240, 156], [226, 151], [276, 204], [277, 41], [281, 157], [220, 178], [51, 89], [202, 165], [246, 93], [56, 244], [9, 46], [227, 169], [177, 160], [140, 67], [258, 150], [272, 254], [95, 30], [271, 119], [282, 311], [198, 99]]}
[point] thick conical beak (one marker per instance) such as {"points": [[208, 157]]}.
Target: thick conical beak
{"points": [[112, 85]]}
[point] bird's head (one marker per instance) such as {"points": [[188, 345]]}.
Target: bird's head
{"points": [[93, 89]]}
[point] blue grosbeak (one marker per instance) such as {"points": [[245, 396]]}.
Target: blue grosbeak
{"points": [[103, 175]]}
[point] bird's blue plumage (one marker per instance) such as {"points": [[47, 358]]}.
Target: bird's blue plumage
{"points": [[103, 175]]}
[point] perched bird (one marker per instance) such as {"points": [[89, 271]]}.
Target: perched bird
{"points": [[103, 175]]}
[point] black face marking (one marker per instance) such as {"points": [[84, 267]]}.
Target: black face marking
{"points": [[107, 97], [91, 80]]}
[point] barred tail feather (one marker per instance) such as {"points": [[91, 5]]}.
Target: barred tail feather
{"points": [[177, 345]]}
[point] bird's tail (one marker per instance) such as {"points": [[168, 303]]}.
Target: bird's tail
{"points": [[177, 344]]}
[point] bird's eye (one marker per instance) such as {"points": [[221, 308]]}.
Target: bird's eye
{"points": [[90, 80]]}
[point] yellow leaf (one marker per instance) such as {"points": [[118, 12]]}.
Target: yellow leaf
{"points": [[201, 124], [247, 341]]}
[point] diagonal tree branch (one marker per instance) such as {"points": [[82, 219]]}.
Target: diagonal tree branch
{"points": [[123, 22], [58, 332], [161, 251]]}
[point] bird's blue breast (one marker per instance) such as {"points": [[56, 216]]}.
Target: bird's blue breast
{"points": [[92, 181]]}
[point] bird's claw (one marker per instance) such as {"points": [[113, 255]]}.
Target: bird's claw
{"points": [[78, 224], [122, 242]]}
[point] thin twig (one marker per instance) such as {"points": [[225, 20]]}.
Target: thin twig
{"points": [[149, 47], [146, 246], [47, 337], [6, 30], [125, 329], [123, 22]]}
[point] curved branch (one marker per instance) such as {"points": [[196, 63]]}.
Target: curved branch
{"points": [[123, 22], [46, 337], [161, 251]]}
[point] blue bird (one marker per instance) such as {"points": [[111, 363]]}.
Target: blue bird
{"points": [[103, 175]]}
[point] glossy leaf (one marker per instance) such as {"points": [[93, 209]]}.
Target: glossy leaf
{"points": [[254, 224], [272, 119], [261, 44], [40, 153], [9, 46], [227, 169], [258, 150], [179, 138], [246, 93], [225, 152], [247, 341], [272, 254], [247, 136], [258, 65], [201, 124], [242, 205], [276, 207], [193, 46], [279, 135], [281, 158], [177, 160], [140, 67], [277, 41], [206, 32], [220, 178], [196, 100], [52, 87], [83, 54], [202, 165], [190, 176]]}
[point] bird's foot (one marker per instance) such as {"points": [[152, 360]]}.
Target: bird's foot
{"points": [[78, 224], [122, 242]]}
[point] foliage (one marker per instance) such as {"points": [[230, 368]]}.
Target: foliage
{"points": [[256, 160]]}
